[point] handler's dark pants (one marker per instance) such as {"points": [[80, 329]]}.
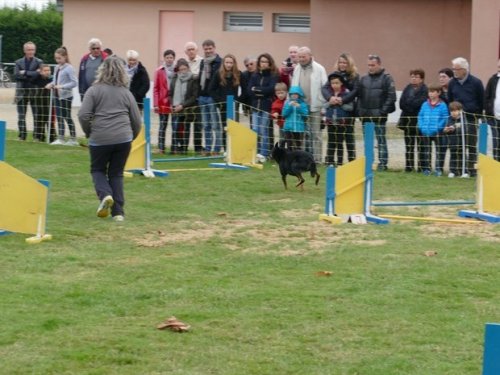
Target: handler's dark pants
{"points": [[106, 167]]}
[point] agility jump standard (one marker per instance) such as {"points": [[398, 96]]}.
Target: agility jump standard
{"points": [[349, 188], [240, 153], [139, 159], [23, 200], [349, 192]]}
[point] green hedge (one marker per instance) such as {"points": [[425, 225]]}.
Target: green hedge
{"points": [[18, 26]]}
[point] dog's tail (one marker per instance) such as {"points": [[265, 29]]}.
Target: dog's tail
{"points": [[314, 173]]}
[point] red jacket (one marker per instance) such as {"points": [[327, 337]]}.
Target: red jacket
{"points": [[277, 106], [160, 92]]}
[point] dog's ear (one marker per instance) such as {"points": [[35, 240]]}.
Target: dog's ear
{"points": [[276, 145], [281, 144]]}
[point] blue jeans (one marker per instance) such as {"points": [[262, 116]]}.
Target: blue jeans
{"points": [[260, 122], [383, 153], [63, 112], [211, 124], [495, 133]]}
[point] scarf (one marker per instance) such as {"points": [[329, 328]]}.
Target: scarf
{"points": [[131, 72], [206, 74], [181, 88]]}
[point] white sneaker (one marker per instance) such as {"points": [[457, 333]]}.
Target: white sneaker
{"points": [[104, 209], [59, 142], [118, 218], [72, 142], [465, 175], [260, 158], [451, 175]]}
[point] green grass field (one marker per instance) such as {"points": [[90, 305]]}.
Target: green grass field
{"points": [[235, 256]]}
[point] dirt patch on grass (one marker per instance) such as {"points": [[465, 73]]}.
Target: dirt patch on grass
{"points": [[484, 231], [302, 234], [261, 236]]}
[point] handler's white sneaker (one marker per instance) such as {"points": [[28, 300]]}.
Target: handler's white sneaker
{"points": [[72, 142], [58, 142], [104, 209]]}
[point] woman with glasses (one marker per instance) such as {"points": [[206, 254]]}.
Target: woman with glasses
{"points": [[89, 64]]}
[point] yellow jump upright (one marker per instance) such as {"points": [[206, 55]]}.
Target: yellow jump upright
{"points": [[489, 181], [137, 156], [241, 147], [488, 186], [345, 194], [23, 203], [242, 144]]}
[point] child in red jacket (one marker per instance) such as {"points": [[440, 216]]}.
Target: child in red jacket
{"points": [[281, 91]]}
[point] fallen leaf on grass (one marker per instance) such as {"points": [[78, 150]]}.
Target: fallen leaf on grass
{"points": [[430, 253], [324, 273], [174, 324]]}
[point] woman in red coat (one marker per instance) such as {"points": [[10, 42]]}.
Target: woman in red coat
{"points": [[161, 104]]}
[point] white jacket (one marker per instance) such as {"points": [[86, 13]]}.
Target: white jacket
{"points": [[318, 79]]}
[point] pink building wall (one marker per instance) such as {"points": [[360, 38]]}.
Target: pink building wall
{"points": [[123, 25], [485, 38], [405, 33]]}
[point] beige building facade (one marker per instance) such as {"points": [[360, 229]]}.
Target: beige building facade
{"points": [[406, 34]]}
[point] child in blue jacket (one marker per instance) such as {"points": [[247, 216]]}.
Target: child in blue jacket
{"points": [[432, 119], [295, 112]]}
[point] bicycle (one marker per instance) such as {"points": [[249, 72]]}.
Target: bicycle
{"points": [[5, 80]]}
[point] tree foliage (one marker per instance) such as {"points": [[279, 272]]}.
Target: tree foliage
{"points": [[19, 25]]}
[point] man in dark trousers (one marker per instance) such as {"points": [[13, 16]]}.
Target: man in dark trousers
{"points": [[469, 91], [376, 94], [26, 71], [492, 110]]}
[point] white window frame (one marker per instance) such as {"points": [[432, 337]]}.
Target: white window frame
{"points": [[284, 23], [243, 21]]}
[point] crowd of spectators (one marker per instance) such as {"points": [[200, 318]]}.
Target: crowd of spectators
{"points": [[189, 95]]}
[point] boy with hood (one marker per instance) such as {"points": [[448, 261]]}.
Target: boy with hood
{"points": [[295, 112]]}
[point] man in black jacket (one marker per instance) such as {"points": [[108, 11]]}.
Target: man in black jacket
{"points": [[27, 70], [376, 94], [492, 110], [469, 91]]}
